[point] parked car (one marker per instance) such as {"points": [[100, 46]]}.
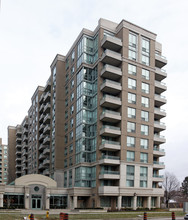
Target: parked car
{"points": [[186, 216]]}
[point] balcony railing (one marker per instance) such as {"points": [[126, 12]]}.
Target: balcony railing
{"points": [[110, 172], [110, 157]]}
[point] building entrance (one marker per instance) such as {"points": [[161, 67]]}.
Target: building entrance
{"points": [[36, 201]]}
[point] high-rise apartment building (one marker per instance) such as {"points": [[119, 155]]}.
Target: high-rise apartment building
{"points": [[3, 162], [96, 125]]}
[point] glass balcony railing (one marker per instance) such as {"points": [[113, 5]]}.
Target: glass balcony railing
{"points": [[110, 157], [110, 172]]}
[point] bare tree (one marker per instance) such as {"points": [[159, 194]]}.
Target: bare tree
{"points": [[171, 186]]}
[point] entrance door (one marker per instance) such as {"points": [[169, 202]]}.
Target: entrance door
{"points": [[36, 201]]}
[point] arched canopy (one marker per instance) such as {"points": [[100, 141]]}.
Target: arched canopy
{"points": [[35, 179]]}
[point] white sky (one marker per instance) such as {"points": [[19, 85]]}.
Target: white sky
{"points": [[32, 32]]}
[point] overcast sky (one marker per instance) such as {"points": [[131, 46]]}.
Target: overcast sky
{"points": [[32, 32]]}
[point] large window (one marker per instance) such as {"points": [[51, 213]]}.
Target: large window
{"points": [[13, 201], [130, 176], [131, 112], [145, 74], [130, 141], [58, 202], [144, 129], [145, 102], [130, 155], [131, 83], [131, 98], [131, 127], [145, 116], [145, 51], [144, 143], [145, 88], [133, 46], [143, 157], [132, 69], [143, 176]]}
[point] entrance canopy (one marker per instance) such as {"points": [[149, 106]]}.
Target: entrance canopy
{"points": [[35, 179]]}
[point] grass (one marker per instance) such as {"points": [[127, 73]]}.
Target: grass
{"points": [[110, 215]]}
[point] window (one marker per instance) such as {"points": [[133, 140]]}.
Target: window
{"points": [[70, 161], [67, 63], [71, 149], [144, 143], [144, 157], [72, 56], [144, 116], [66, 102], [144, 129], [130, 176], [131, 127], [66, 114], [65, 163], [72, 70], [65, 179], [71, 134], [143, 176], [131, 112], [130, 141], [145, 51], [66, 90], [66, 139], [132, 69], [72, 122], [145, 74], [72, 109], [72, 83], [131, 98], [130, 155], [131, 83], [132, 46], [70, 178], [66, 127], [65, 152], [72, 96], [145, 102], [145, 88]]}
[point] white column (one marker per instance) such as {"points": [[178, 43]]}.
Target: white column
{"points": [[75, 200], [119, 202], [1, 199], [149, 202], [135, 202], [158, 202], [69, 202]]}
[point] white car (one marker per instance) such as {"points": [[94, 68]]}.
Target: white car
{"points": [[186, 216]]}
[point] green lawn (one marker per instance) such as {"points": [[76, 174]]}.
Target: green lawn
{"points": [[110, 215]]}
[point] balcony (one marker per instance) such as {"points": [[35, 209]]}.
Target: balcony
{"points": [[47, 108], [111, 87], [111, 57], [110, 101], [159, 113], [41, 118], [110, 131], [41, 166], [46, 129], [158, 178], [159, 100], [46, 161], [109, 175], [41, 108], [18, 139], [46, 151], [108, 190], [41, 137], [42, 156], [160, 60], [41, 98], [160, 74], [46, 172], [159, 126], [160, 87], [159, 139], [158, 152], [47, 97], [112, 43], [47, 118], [158, 165], [110, 116], [25, 131], [110, 146], [111, 72], [41, 127], [41, 147], [109, 160], [48, 85], [46, 140]]}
